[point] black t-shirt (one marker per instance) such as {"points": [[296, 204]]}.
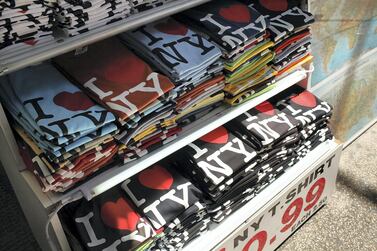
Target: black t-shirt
{"points": [[108, 220], [161, 193], [284, 16]]}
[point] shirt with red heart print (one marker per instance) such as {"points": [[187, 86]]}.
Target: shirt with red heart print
{"points": [[265, 124], [285, 16], [51, 105], [304, 106], [228, 22], [174, 48], [115, 77], [161, 193], [216, 157], [108, 220]]}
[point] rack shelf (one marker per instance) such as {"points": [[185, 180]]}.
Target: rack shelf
{"points": [[62, 45]]}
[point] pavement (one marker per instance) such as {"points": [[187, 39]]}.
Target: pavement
{"points": [[348, 222]]}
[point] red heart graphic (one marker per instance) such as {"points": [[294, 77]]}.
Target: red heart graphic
{"points": [[31, 42], [119, 215], [275, 5], [171, 27], [126, 68], [306, 99], [267, 108], [218, 136], [77, 101], [156, 177], [238, 13]]}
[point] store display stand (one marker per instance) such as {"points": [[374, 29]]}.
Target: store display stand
{"points": [[38, 206]]}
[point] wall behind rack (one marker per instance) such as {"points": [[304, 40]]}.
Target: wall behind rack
{"points": [[345, 49]]}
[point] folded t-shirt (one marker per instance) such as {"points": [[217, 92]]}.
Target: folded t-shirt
{"points": [[161, 193], [216, 157], [229, 22], [53, 104], [115, 77], [284, 16], [174, 48], [108, 221], [264, 124], [304, 106]]}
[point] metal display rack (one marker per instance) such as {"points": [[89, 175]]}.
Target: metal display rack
{"points": [[38, 206]]}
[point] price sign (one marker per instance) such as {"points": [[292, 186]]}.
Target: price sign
{"points": [[273, 224]]}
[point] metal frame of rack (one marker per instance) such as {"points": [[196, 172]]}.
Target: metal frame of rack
{"points": [[38, 206]]}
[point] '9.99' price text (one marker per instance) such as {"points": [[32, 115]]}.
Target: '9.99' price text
{"points": [[292, 214]]}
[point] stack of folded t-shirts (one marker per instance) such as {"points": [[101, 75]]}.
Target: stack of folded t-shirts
{"points": [[189, 60], [124, 84], [24, 24], [107, 222], [234, 162], [290, 30], [171, 203], [142, 5], [67, 135], [283, 131], [312, 114], [199, 101], [223, 166], [77, 17], [240, 32]]}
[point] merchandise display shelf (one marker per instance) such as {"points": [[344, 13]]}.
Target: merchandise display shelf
{"points": [[220, 233], [117, 174], [62, 45], [40, 208]]}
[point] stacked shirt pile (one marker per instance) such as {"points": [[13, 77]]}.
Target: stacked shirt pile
{"points": [[66, 136], [234, 162], [223, 166], [189, 60], [142, 5], [157, 209], [175, 199], [125, 85], [171, 203], [77, 17], [240, 32], [24, 24], [109, 221], [289, 27], [313, 115]]}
